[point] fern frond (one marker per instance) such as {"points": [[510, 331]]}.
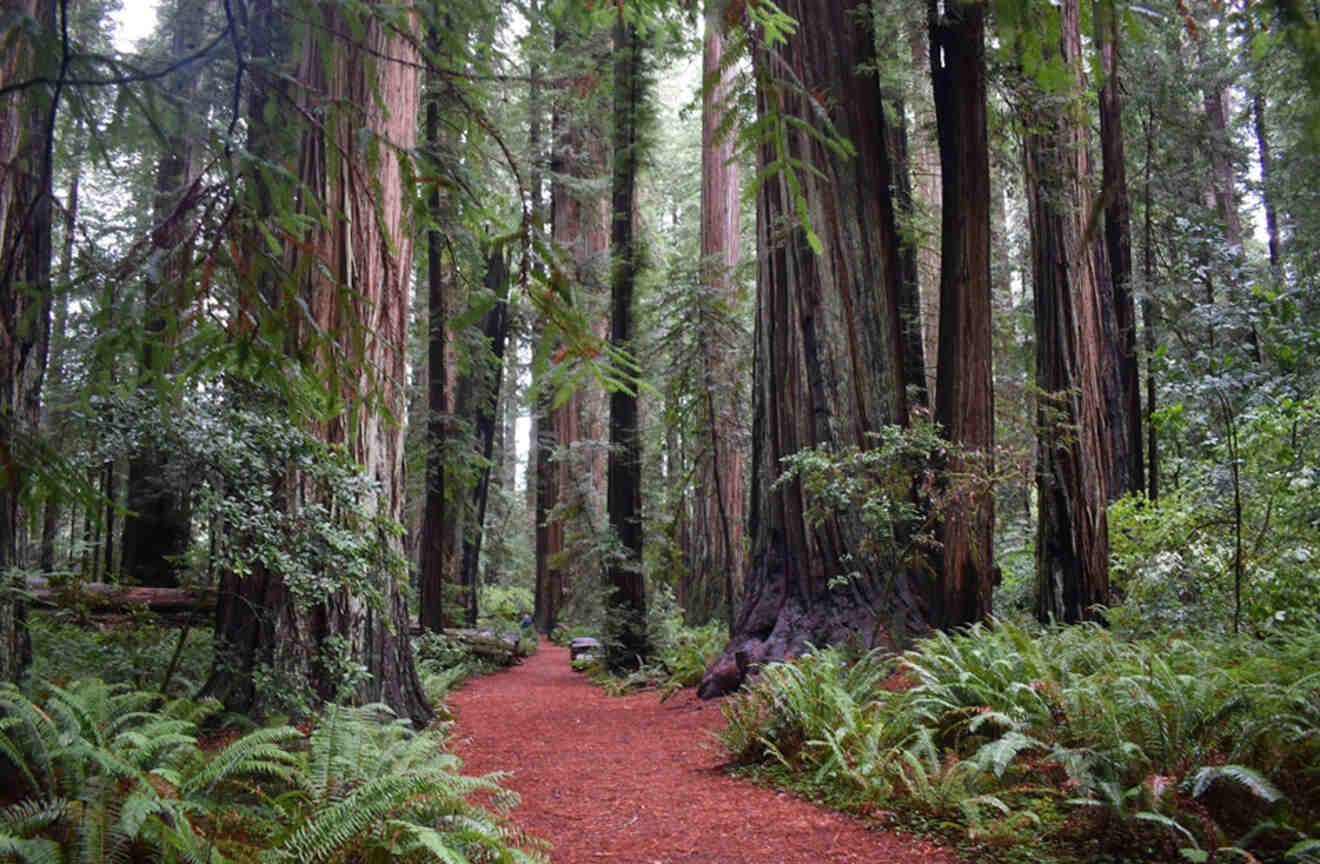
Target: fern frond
{"points": [[29, 850], [29, 817], [29, 739], [334, 827], [997, 755], [1247, 778], [1171, 824], [257, 753]]}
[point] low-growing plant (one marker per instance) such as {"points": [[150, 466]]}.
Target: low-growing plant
{"points": [[105, 773], [1173, 748]]}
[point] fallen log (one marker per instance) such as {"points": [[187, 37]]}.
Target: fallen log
{"points": [[484, 643], [100, 597]]}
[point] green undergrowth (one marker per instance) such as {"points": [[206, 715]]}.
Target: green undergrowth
{"points": [[443, 664], [679, 661], [136, 650], [103, 772], [1066, 745]]}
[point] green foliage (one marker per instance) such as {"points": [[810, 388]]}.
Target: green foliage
{"points": [[443, 664], [107, 774], [1008, 735], [136, 653], [372, 788], [1174, 559]]}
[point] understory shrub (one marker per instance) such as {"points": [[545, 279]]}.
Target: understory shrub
{"points": [[1170, 748]]}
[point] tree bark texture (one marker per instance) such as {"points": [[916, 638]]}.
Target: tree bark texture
{"points": [[26, 120], [1130, 475], [828, 365], [490, 370], [922, 152], [722, 482], [627, 604], [1073, 459], [359, 298], [432, 575], [964, 401]]}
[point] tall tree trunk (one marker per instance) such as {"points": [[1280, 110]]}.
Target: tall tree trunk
{"points": [[53, 416], [1148, 316], [1073, 461], [722, 483], [1130, 477], [828, 364], [627, 604], [495, 332], [903, 161], [26, 123], [435, 519], [922, 151], [1223, 186], [964, 401], [580, 232], [362, 289], [158, 525]]}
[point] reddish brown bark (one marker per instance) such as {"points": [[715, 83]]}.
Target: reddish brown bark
{"points": [[158, 525], [964, 402], [360, 301], [25, 298], [1073, 462], [1129, 473], [722, 484], [580, 234], [828, 368]]}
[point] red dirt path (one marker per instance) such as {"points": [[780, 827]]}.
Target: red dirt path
{"points": [[632, 780]]}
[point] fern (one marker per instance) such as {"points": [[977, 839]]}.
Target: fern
{"points": [[257, 754], [1245, 777], [30, 850]]}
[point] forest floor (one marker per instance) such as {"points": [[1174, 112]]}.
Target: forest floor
{"points": [[636, 781]]}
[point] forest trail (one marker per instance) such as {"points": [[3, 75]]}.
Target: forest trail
{"points": [[636, 781]]}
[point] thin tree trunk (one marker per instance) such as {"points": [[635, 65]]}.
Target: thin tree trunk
{"points": [[1148, 317], [54, 416], [435, 529], [496, 334], [1264, 151]]}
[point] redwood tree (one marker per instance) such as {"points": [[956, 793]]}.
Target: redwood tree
{"points": [[828, 368], [1130, 477], [26, 123], [964, 391], [353, 331], [627, 604], [720, 531], [1073, 467]]}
